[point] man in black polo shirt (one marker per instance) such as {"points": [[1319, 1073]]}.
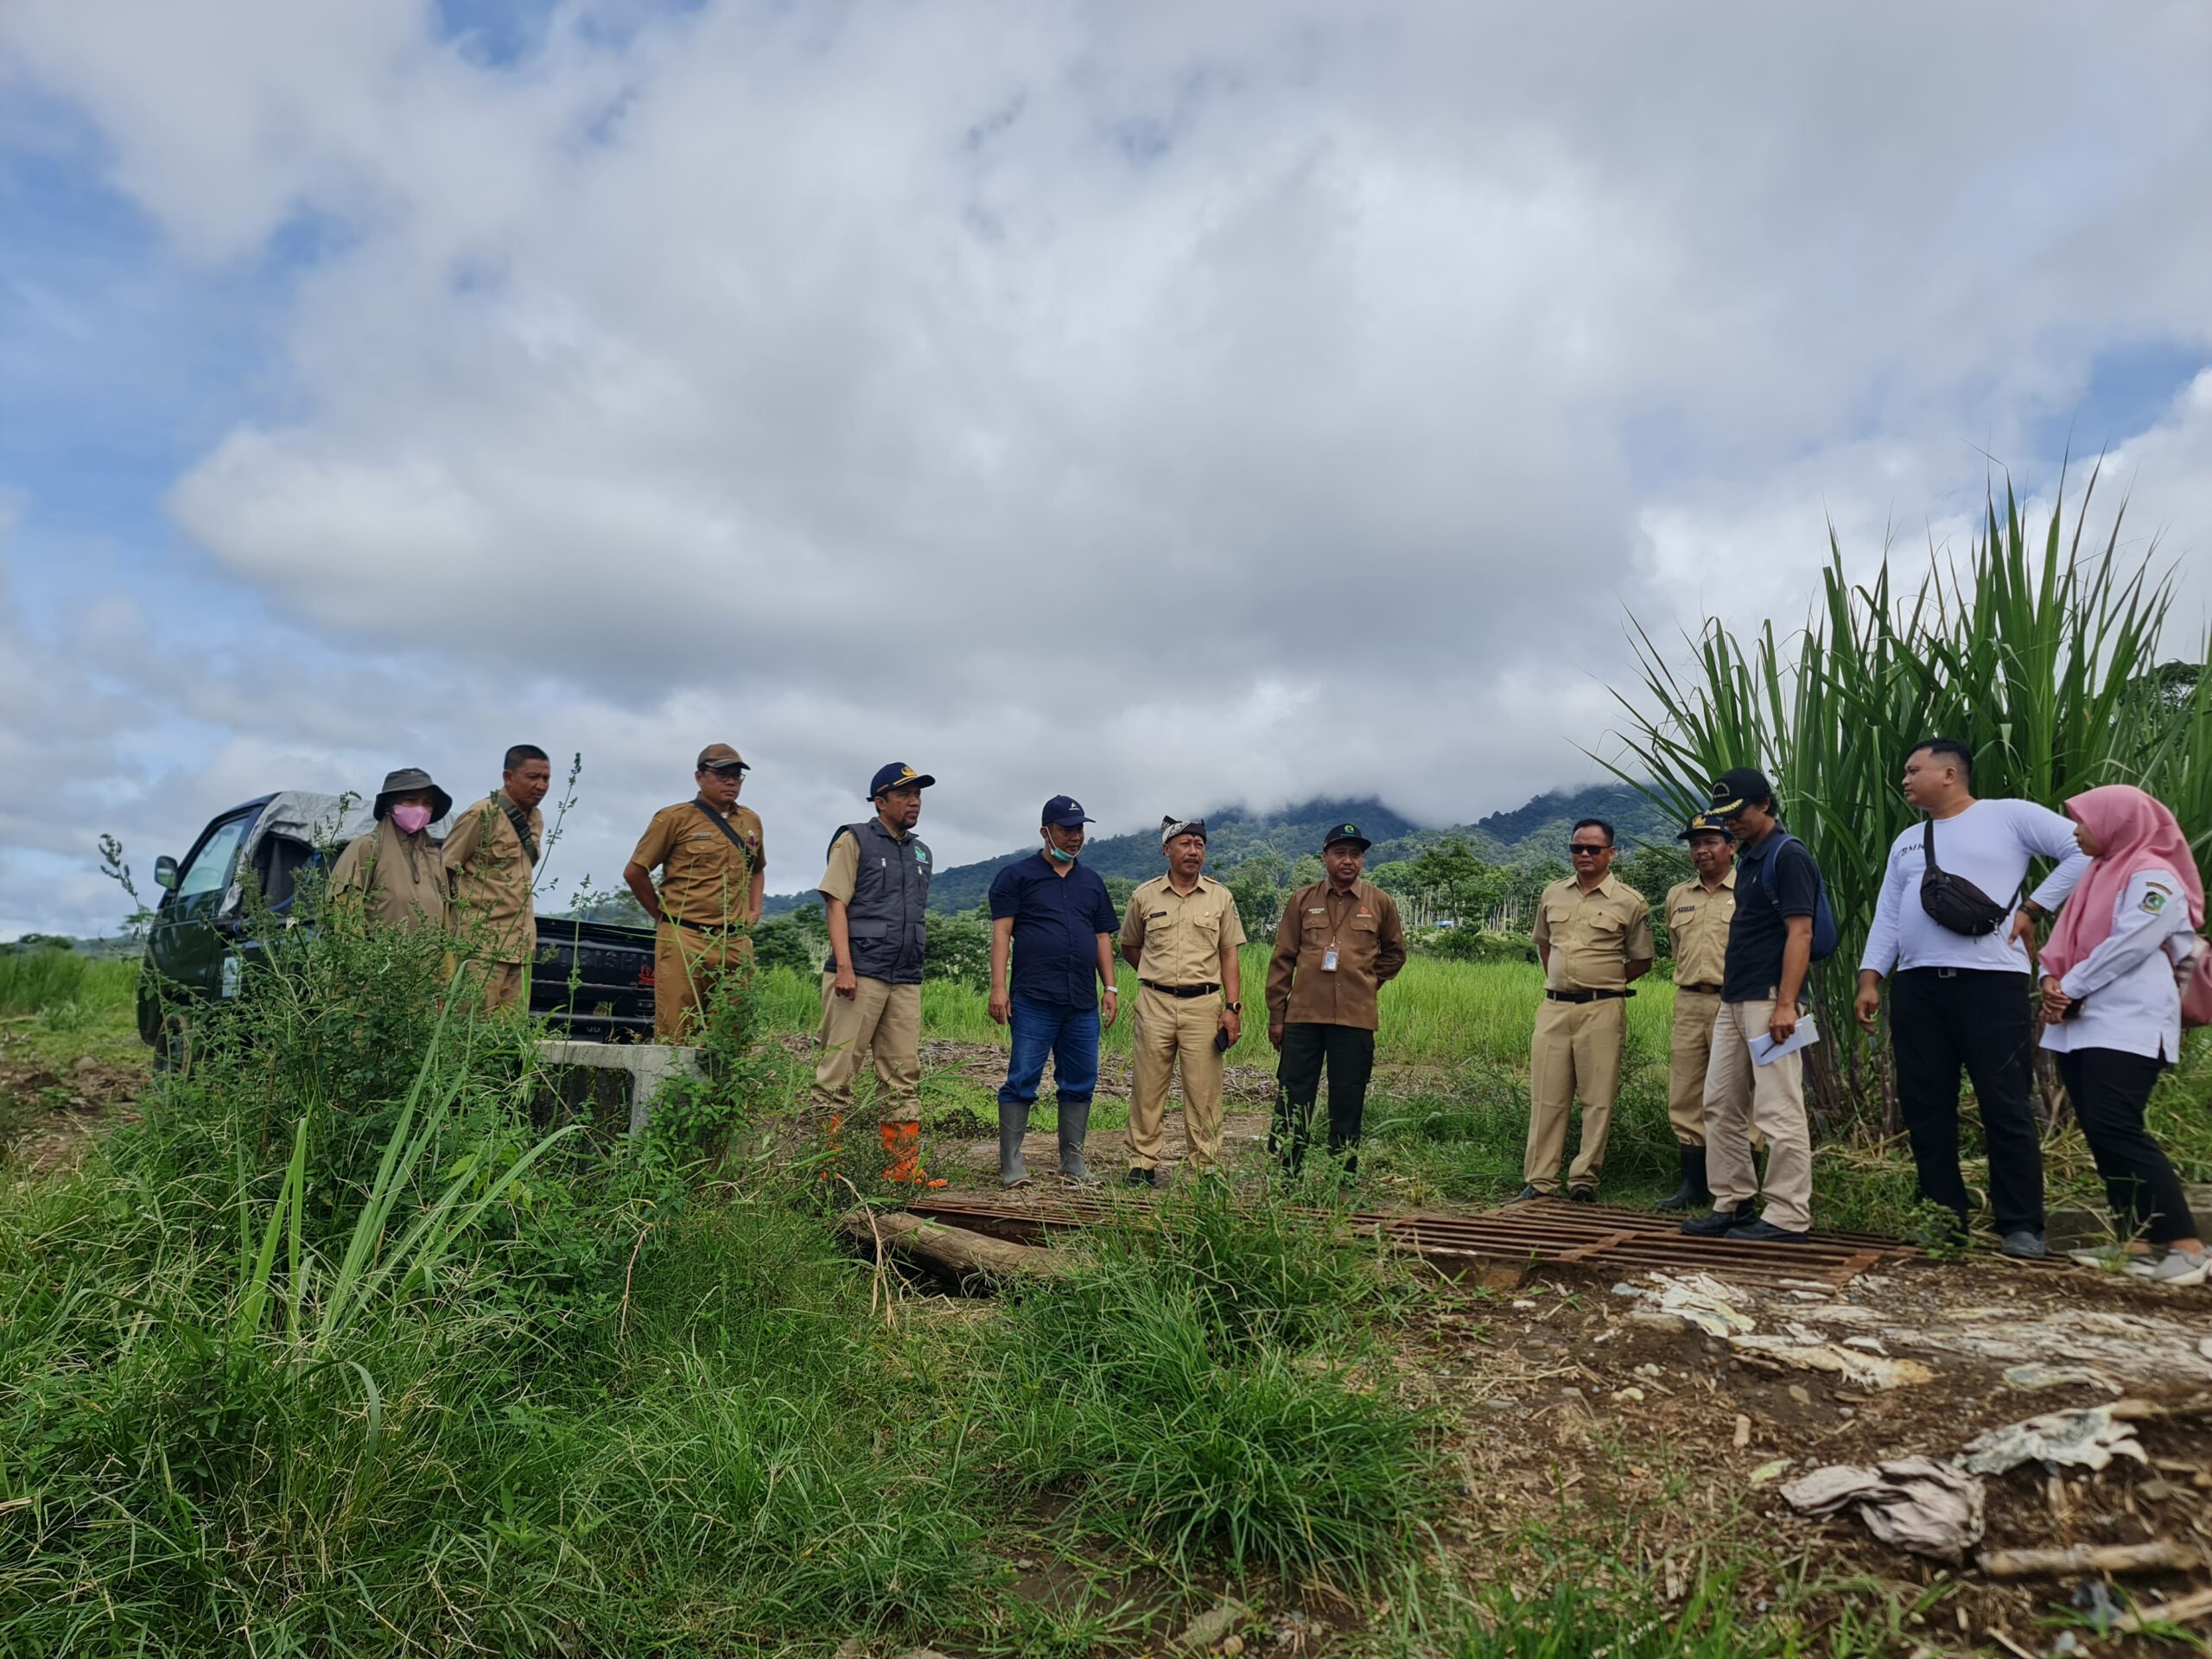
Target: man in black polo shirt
{"points": [[1769, 955], [1055, 919]]}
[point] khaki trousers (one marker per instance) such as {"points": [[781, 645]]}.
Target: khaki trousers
{"points": [[1169, 1029], [1689, 1054], [1576, 1051], [502, 984], [881, 1018], [688, 970], [1740, 1097]]}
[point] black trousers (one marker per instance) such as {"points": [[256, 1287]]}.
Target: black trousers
{"points": [[2108, 1089], [1350, 1052], [1940, 1020]]}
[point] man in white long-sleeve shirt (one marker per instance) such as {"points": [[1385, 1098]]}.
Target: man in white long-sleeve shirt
{"points": [[1960, 999]]}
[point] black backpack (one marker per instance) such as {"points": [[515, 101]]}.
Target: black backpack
{"points": [[1953, 902]]}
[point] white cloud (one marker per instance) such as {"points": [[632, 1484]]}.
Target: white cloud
{"points": [[1171, 405]]}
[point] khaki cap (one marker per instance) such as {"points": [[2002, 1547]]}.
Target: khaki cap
{"points": [[717, 757]]}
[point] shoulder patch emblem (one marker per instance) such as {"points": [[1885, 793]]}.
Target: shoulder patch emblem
{"points": [[2154, 899]]}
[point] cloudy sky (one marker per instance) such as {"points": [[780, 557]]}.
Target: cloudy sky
{"points": [[1172, 405]]}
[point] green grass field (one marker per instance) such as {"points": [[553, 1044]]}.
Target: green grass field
{"points": [[1435, 1013], [32, 981]]}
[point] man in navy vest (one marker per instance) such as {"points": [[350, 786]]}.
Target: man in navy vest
{"points": [[874, 893]]}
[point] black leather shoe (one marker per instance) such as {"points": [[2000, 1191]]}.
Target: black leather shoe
{"points": [[1582, 1194], [1765, 1231], [1526, 1195], [1141, 1178], [1716, 1224]]}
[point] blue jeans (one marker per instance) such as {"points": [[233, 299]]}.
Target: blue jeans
{"points": [[1069, 1035]]}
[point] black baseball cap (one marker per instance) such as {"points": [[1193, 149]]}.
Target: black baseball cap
{"points": [[897, 775], [1338, 832], [1064, 811], [1705, 822], [1738, 787]]}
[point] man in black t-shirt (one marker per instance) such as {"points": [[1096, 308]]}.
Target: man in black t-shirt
{"points": [[1762, 984]]}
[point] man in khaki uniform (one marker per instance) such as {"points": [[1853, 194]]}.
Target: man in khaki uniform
{"points": [[1180, 932], [1593, 935], [875, 896], [713, 866], [1697, 913], [489, 854], [393, 874], [1339, 944]]}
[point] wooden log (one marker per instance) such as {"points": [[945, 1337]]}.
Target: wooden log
{"points": [[2180, 1610], [2156, 1556], [953, 1250]]}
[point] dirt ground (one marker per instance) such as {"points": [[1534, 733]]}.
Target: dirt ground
{"points": [[52, 1108], [1578, 1402]]}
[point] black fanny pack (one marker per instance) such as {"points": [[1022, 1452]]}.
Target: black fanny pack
{"points": [[1953, 902]]}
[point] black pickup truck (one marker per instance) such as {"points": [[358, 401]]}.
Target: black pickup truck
{"points": [[199, 935]]}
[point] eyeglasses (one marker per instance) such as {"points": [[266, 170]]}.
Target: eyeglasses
{"points": [[1581, 848]]}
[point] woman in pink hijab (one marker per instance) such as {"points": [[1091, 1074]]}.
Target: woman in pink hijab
{"points": [[2111, 1012]]}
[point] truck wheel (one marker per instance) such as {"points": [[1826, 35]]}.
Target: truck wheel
{"points": [[172, 1045]]}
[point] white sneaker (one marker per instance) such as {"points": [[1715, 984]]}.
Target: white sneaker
{"points": [[2106, 1258], [2180, 1270]]}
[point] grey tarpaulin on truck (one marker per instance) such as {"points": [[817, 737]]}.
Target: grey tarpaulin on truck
{"points": [[300, 815]]}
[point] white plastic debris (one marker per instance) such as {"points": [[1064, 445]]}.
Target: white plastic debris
{"points": [[2090, 1438], [1868, 1370], [1913, 1503], [1703, 1301]]}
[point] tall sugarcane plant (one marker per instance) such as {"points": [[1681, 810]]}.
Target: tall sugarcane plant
{"points": [[2034, 652]]}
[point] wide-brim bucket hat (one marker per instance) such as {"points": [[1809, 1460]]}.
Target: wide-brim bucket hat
{"points": [[407, 781]]}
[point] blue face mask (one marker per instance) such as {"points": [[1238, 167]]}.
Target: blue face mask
{"points": [[1052, 849]]}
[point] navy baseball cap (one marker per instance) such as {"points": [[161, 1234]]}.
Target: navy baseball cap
{"points": [[1706, 822], [897, 775], [1064, 811], [1738, 787], [1337, 832]]}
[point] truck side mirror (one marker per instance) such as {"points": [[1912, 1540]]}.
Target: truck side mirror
{"points": [[165, 873]]}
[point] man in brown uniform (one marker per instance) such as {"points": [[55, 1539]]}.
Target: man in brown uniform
{"points": [[493, 846], [394, 873], [1339, 944], [713, 866], [1180, 932], [1698, 914], [1594, 936]]}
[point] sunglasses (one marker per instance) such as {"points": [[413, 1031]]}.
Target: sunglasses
{"points": [[1579, 848]]}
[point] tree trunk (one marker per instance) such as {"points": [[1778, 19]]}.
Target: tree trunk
{"points": [[952, 1251]]}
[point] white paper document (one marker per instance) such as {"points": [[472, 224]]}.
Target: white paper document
{"points": [[1765, 1050]]}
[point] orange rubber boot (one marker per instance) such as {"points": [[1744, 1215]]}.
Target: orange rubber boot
{"points": [[904, 1142]]}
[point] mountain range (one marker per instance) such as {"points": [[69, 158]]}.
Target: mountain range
{"points": [[1536, 830]]}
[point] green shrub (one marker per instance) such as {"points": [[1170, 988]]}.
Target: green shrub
{"points": [[959, 949], [783, 943], [1196, 1388], [1478, 945]]}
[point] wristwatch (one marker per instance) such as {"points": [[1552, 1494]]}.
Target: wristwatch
{"points": [[1234, 1008]]}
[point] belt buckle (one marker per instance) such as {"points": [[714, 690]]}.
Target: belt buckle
{"points": [[1947, 973]]}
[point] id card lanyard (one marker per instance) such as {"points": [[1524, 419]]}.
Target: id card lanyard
{"points": [[1329, 956]]}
